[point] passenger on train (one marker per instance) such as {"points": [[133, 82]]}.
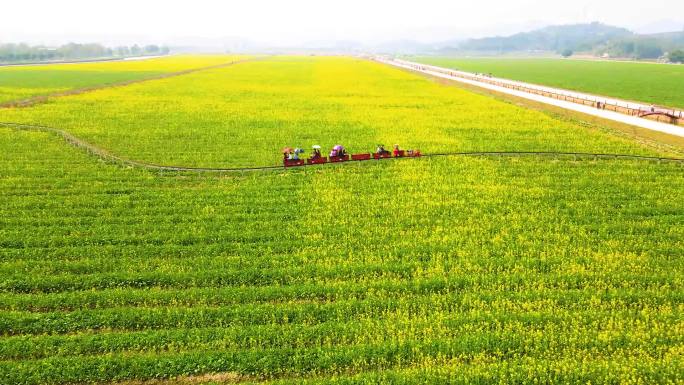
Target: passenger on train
{"points": [[316, 154], [396, 151], [338, 151], [286, 153], [294, 155], [381, 150]]}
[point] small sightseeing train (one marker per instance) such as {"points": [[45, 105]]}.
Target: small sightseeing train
{"points": [[352, 157]]}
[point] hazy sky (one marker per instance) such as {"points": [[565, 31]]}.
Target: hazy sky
{"points": [[298, 21]]}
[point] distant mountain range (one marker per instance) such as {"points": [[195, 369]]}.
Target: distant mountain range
{"points": [[595, 38], [579, 37], [591, 39]]}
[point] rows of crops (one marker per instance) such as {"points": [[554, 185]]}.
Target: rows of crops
{"points": [[433, 270], [643, 82], [21, 82], [244, 114], [496, 269]]}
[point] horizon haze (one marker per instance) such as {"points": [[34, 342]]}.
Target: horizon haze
{"points": [[305, 22]]}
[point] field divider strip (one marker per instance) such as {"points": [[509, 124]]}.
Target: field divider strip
{"points": [[77, 91], [107, 156]]}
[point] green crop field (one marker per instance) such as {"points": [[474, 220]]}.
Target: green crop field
{"points": [[643, 82], [432, 270], [21, 82]]}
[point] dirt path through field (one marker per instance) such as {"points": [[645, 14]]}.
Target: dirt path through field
{"points": [[76, 91]]}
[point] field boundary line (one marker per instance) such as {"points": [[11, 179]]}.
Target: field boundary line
{"points": [[106, 156], [31, 101]]}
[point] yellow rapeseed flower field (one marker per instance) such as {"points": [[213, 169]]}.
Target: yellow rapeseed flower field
{"points": [[244, 114]]}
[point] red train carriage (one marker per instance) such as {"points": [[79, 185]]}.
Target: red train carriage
{"points": [[317, 161], [338, 159], [293, 162], [359, 157]]}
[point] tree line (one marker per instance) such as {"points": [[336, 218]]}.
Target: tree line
{"points": [[17, 53], [677, 56]]}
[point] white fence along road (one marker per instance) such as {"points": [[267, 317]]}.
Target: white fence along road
{"points": [[486, 82]]}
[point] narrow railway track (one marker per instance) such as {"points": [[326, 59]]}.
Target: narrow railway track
{"points": [[125, 162]]}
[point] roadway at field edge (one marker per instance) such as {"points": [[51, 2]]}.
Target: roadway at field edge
{"points": [[609, 115], [106, 156]]}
